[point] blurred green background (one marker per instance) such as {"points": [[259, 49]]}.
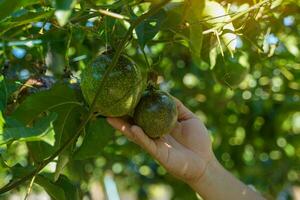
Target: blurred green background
{"points": [[254, 125]]}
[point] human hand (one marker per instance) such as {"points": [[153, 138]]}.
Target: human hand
{"points": [[185, 152]]}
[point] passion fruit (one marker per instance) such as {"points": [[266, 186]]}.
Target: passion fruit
{"points": [[156, 113], [231, 71], [121, 89]]}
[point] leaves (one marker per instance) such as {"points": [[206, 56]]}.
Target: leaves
{"points": [[19, 171], [51, 188], [215, 15], [39, 150], [65, 128], [61, 189], [62, 100], [59, 95], [183, 20], [173, 18], [58, 190], [63, 10], [28, 17], [147, 30], [195, 41], [195, 9], [71, 190], [98, 134], [14, 130], [7, 7], [249, 128], [3, 93], [6, 90]]}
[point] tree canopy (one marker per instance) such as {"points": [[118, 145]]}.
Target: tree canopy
{"points": [[235, 64]]}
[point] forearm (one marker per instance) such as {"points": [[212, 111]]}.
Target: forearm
{"points": [[217, 183]]}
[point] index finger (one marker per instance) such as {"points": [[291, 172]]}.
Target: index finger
{"points": [[183, 112]]}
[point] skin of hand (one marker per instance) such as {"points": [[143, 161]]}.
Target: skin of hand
{"points": [[187, 154]]}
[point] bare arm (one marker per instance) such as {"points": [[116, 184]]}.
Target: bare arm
{"points": [[187, 154]]}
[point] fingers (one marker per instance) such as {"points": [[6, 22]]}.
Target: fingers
{"points": [[183, 112], [143, 140], [122, 126], [177, 132], [133, 133]]}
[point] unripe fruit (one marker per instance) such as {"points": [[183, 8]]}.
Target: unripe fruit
{"points": [[156, 113], [121, 89], [231, 71]]}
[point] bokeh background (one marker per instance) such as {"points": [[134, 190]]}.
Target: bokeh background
{"points": [[255, 126]]}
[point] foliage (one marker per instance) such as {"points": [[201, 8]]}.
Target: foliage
{"points": [[44, 46]]}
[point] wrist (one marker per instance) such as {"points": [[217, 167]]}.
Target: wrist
{"points": [[212, 169], [218, 183]]}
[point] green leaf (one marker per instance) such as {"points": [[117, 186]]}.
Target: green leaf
{"points": [[27, 18], [63, 10], [71, 190], [3, 164], [55, 191], [98, 134], [25, 3], [8, 6], [62, 100], [66, 123], [173, 17], [30, 17], [61, 189], [39, 150], [148, 29], [65, 127], [58, 96], [62, 161], [16, 131], [3, 93], [195, 41], [18, 171], [195, 9], [6, 90]]}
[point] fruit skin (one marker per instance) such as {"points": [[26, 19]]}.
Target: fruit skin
{"points": [[121, 90], [231, 71], [156, 113]]}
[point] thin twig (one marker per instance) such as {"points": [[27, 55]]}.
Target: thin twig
{"points": [[93, 13], [29, 188], [146, 58], [114, 15]]}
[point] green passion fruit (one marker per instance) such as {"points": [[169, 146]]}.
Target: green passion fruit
{"points": [[231, 71], [121, 90], [156, 113]]}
